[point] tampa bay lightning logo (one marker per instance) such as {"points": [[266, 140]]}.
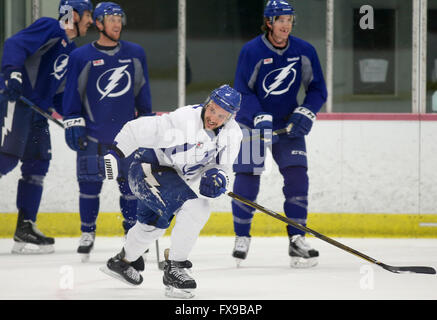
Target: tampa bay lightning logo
{"points": [[114, 82], [279, 81], [60, 66]]}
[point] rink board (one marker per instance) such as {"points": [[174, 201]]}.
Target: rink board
{"points": [[220, 224]]}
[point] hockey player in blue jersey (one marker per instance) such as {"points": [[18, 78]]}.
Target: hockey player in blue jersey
{"points": [[34, 66], [271, 69], [107, 86], [182, 159]]}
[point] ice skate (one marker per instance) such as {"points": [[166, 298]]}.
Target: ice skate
{"points": [[301, 253], [29, 240], [120, 269], [241, 249], [178, 284], [86, 244]]}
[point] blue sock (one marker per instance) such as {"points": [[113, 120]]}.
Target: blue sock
{"points": [[296, 196], [89, 203], [247, 186], [29, 194], [89, 210]]}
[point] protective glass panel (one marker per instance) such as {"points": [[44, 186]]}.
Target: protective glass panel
{"points": [[372, 56]]}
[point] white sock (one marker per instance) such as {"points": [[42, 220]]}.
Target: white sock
{"points": [[190, 220], [139, 238]]}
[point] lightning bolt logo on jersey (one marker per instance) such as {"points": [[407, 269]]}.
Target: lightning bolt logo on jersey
{"points": [[60, 66], [7, 125], [107, 87], [281, 82], [115, 82], [270, 79]]}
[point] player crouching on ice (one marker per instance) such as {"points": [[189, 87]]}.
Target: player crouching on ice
{"points": [[182, 159]]}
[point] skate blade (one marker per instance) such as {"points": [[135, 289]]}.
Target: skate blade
{"points": [[30, 248], [302, 263], [115, 275], [238, 262], [84, 257], [173, 292]]}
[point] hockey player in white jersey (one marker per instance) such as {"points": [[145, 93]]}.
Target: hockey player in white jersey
{"points": [[182, 159]]}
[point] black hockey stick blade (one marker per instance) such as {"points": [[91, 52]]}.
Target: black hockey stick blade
{"points": [[413, 269], [407, 269]]}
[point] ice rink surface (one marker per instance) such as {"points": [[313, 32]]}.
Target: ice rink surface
{"points": [[264, 275]]}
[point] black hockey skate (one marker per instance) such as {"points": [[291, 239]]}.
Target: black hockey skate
{"points": [[178, 284], [29, 240], [129, 273], [86, 244], [301, 253], [241, 248]]}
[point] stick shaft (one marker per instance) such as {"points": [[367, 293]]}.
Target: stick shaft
{"points": [[302, 228], [41, 111]]}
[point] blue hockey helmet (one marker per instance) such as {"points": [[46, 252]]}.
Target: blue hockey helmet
{"points": [[78, 5], [108, 9], [276, 8], [227, 98]]}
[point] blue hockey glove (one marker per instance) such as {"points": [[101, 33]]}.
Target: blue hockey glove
{"points": [[264, 123], [14, 84], [75, 133], [213, 183], [301, 121]]}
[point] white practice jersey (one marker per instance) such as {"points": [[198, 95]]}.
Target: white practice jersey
{"points": [[181, 142]]}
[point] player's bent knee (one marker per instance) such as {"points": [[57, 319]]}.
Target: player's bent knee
{"points": [[35, 167], [90, 188], [195, 212]]}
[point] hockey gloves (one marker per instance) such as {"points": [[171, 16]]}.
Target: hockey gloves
{"points": [[75, 133], [14, 84], [300, 122], [213, 183], [264, 123]]}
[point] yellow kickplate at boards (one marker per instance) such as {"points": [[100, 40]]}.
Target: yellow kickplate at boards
{"points": [[221, 224]]}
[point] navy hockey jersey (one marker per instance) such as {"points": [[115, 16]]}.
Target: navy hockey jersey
{"points": [[269, 79], [107, 87], [41, 51]]}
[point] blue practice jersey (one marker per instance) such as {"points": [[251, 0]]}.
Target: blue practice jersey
{"points": [[106, 87], [269, 79], [41, 51]]}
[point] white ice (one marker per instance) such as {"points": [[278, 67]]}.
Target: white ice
{"points": [[264, 275]]}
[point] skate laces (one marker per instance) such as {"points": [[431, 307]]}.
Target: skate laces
{"points": [[86, 239], [179, 272], [34, 228], [242, 244], [132, 273], [300, 242]]}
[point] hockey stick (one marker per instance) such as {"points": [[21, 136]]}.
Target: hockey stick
{"points": [[409, 269], [82, 142], [287, 129], [160, 263], [41, 111]]}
